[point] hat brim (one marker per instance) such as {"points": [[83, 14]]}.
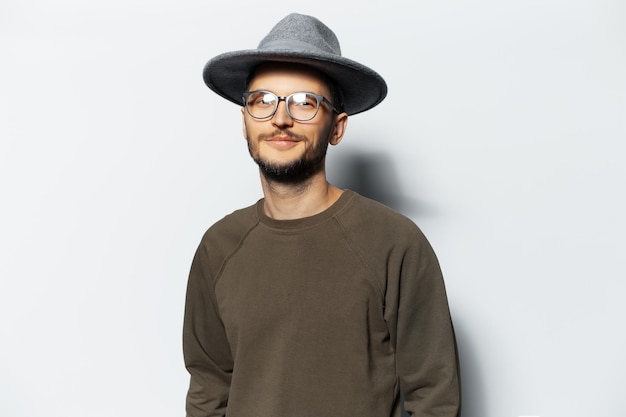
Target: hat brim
{"points": [[362, 87]]}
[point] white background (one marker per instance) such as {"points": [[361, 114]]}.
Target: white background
{"points": [[503, 137]]}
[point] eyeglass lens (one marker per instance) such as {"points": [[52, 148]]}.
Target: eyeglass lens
{"points": [[300, 106]]}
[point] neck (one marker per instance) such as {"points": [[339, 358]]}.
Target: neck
{"points": [[288, 201]]}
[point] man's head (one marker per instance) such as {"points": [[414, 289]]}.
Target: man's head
{"points": [[289, 119], [288, 134]]}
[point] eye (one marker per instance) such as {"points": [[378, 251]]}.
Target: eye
{"points": [[265, 99], [261, 99], [303, 100]]}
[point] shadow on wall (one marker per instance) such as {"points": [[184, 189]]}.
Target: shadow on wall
{"points": [[373, 175], [472, 386]]}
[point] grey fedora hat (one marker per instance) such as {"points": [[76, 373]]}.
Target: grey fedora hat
{"points": [[304, 40]]}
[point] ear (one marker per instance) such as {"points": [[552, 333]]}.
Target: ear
{"points": [[243, 124], [339, 128]]}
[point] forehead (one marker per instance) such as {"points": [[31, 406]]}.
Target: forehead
{"points": [[285, 78]]}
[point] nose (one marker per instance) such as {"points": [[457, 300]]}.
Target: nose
{"points": [[281, 117]]}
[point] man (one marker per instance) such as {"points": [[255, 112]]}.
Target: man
{"points": [[315, 301]]}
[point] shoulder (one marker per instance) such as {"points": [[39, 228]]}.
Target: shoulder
{"points": [[376, 219], [379, 232], [233, 225], [388, 242], [224, 236]]}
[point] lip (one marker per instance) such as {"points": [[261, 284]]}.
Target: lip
{"points": [[282, 141], [282, 138]]}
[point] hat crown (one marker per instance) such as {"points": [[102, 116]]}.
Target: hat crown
{"points": [[303, 33]]}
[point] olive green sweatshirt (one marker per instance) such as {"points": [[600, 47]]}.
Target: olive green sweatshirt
{"points": [[341, 314]]}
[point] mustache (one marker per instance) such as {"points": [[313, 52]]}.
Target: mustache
{"points": [[282, 132]]}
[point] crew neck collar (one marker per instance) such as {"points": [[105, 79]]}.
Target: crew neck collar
{"points": [[305, 222]]}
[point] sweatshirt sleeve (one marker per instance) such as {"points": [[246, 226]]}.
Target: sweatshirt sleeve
{"points": [[422, 333], [205, 346]]}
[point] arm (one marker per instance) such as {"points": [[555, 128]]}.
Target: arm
{"points": [[205, 346], [426, 361]]}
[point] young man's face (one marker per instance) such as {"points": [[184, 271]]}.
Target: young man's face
{"points": [[285, 149]]}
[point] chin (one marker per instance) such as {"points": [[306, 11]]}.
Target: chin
{"points": [[290, 172]]}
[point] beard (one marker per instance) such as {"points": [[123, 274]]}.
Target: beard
{"points": [[296, 171]]}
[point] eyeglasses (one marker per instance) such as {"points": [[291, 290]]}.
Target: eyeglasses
{"points": [[301, 106]]}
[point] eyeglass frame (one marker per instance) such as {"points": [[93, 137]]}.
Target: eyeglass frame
{"points": [[320, 99]]}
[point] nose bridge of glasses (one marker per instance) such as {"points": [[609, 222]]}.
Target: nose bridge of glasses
{"points": [[284, 99]]}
